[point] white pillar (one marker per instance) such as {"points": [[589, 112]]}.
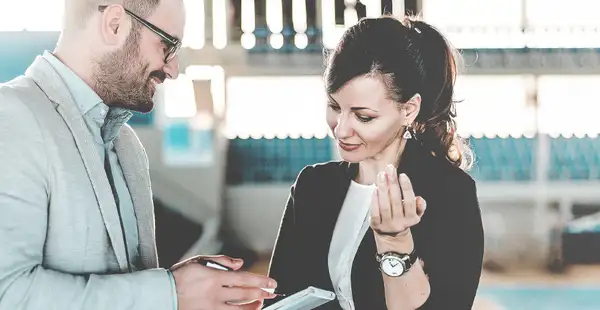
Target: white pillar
{"points": [[398, 8], [220, 22]]}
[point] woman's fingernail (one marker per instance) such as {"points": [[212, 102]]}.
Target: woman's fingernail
{"points": [[381, 177], [390, 169]]}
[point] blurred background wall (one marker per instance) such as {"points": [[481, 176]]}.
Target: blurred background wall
{"points": [[227, 139]]}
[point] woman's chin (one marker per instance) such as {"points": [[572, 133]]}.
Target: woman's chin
{"points": [[351, 157]]}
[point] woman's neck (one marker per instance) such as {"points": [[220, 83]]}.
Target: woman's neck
{"points": [[370, 167]]}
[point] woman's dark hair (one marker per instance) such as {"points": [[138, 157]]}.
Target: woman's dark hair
{"points": [[411, 57]]}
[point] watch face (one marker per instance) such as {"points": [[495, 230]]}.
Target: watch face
{"points": [[392, 266]]}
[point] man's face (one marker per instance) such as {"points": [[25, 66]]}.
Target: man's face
{"points": [[128, 77]]}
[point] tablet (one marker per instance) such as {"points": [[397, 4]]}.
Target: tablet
{"points": [[307, 299]]}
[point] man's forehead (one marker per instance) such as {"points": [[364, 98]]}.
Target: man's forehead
{"points": [[170, 17]]}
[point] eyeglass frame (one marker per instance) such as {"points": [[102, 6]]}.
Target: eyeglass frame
{"points": [[173, 43]]}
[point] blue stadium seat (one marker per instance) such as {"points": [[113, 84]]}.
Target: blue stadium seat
{"points": [[280, 160], [273, 160], [498, 159], [261, 34], [574, 159]]}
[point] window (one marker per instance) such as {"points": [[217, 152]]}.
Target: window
{"points": [[569, 105], [549, 13], [477, 23], [494, 106], [276, 106], [473, 13], [197, 94], [569, 24], [179, 101], [32, 15]]}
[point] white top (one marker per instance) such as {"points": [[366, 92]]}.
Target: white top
{"points": [[351, 226]]}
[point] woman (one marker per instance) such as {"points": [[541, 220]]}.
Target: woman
{"points": [[359, 227]]}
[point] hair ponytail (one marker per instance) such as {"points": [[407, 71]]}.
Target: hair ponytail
{"points": [[437, 126]]}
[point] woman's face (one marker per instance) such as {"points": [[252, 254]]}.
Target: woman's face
{"points": [[364, 121]]}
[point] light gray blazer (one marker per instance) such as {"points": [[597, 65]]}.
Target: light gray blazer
{"points": [[61, 244]]}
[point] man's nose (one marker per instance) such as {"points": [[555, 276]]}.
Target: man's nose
{"points": [[172, 68]]}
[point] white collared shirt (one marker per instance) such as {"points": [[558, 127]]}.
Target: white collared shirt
{"points": [[350, 229]]}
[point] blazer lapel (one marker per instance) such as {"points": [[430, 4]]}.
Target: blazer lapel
{"points": [[51, 83], [135, 169], [327, 215]]}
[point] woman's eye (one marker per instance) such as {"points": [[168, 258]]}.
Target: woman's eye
{"points": [[334, 107], [364, 119]]}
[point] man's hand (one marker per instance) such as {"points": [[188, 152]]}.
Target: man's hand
{"points": [[205, 288]]}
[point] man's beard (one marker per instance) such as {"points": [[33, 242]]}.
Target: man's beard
{"points": [[121, 78]]}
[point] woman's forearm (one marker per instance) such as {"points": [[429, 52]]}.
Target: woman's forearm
{"points": [[410, 290]]}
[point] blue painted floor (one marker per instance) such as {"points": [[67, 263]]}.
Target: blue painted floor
{"points": [[543, 298]]}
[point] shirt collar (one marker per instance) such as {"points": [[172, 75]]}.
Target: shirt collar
{"points": [[84, 96], [89, 103]]}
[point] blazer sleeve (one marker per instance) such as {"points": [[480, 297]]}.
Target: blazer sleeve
{"points": [[455, 267], [25, 283], [286, 252]]}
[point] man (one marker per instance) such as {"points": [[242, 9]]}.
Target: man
{"points": [[76, 214]]}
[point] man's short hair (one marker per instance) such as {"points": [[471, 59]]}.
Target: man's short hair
{"points": [[78, 12]]}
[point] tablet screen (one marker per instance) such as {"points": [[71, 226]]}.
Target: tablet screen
{"points": [[307, 299]]}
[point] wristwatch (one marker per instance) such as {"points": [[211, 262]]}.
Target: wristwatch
{"points": [[394, 264]]}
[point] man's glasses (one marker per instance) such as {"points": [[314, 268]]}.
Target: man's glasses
{"points": [[173, 44]]}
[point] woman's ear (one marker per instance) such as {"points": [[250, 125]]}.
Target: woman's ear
{"points": [[412, 108]]}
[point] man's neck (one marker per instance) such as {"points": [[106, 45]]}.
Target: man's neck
{"points": [[79, 62]]}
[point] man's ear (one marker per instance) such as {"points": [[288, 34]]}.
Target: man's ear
{"points": [[115, 26]]}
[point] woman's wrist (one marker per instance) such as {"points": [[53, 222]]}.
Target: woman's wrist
{"points": [[403, 243]]}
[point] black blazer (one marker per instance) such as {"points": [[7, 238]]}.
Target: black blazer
{"points": [[449, 238]]}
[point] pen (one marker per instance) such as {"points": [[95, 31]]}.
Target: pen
{"points": [[274, 292], [215, 265], [212, 264]]}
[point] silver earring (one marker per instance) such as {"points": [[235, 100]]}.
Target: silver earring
{"points": [[408, 133]]}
